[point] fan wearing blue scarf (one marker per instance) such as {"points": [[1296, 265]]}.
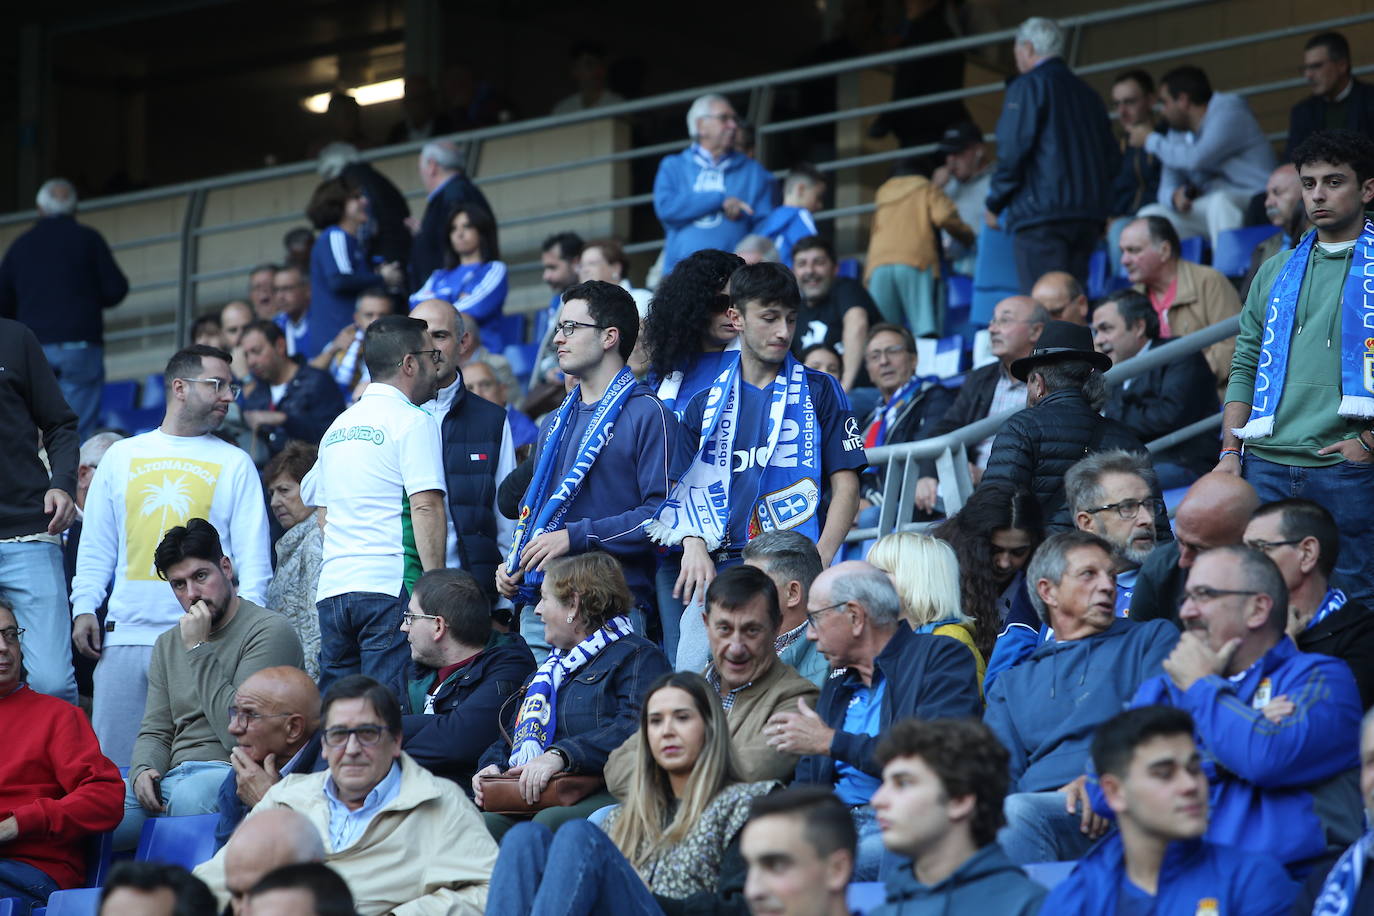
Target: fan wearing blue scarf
{"points": [[762, 447], [601, 462], [1301, 391]]}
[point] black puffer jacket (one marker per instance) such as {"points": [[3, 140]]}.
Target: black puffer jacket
{"points": [[1038, 445]]}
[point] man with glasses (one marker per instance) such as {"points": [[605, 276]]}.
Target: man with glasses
{"points": [[1113, 495], [290, 401], [275, 718], [1338, 99], [405, 840], [380, 480], [143, 486], [1045, 709], [890, 674], [1279, 729], [182, 752], [710, 195], [1302, 539], [291, 297], [56, 787], [465, 672]]}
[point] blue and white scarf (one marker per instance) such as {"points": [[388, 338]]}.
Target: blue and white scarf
{"points": [[789, 488], [1335, 600], [537, 721], [1356, 343], [1343, 881], [553, 502]]}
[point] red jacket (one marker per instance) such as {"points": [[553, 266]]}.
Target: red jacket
{"points": [[56, 784]]}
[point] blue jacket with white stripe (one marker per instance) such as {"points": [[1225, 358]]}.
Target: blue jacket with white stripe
{"points": [[338, 273]]}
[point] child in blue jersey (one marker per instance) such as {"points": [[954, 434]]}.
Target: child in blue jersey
{"points": [[473, 277], [802, 194]]}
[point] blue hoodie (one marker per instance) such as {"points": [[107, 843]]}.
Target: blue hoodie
{"points": [[1290, 788], [988, 882], [1046, 709], [1192, 874], [688, 192]]}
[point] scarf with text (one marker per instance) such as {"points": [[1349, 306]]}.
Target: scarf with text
{"points": [[1343, 881]]}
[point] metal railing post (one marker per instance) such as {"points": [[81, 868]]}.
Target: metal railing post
{"points": [[190, 251]]}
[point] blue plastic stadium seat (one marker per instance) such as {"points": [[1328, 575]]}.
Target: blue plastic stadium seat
{"points": [[943, 357], [1173, 497], [1235, 246], [862, 896], [852, 268], [12, 906], [153, 393], [994, 274], [521, 358], [1048, 873], [958, 301], [1193, 249], [99, 853], [186, 841], [82, 901], [504, 331], [1099, 265], [122, 395]]}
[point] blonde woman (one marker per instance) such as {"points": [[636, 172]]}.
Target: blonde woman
{"points": [[674, 844], [925, 572]]}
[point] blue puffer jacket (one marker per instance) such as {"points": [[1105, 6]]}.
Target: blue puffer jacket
{"points": [[1193, 872], [1056, 158], [1046, 709], [988, 882], [1288, 788], [596, 709]]}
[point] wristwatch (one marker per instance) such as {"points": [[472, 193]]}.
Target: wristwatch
{"points": [[563, 755]]}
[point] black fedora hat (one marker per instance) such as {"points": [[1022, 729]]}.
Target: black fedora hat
{"points": [[1061, 340]]}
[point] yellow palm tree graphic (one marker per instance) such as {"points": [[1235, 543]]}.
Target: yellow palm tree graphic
{"points": [[173, 495]]}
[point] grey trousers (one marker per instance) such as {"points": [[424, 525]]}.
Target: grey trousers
{"points": [[121, 693]]}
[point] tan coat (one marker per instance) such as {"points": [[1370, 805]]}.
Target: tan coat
{"points": [[1204, 298], [426, 853], [910, 209], [779, 688]]}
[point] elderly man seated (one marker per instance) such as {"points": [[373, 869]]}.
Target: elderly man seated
{"points": [[742, 620], [56, 788], [890, 674], [265, 842], [276, 721], [406, 841], [1046, 709]]}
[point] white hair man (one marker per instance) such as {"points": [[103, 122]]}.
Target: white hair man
{"points": [[1113, 495], [710, 195]]}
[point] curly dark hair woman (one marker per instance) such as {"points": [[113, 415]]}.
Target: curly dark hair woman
{"points": [[994, 536], [687, 307]]}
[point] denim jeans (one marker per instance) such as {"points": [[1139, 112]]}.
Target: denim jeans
{"points": [[360, 633], [1346, 490], [31, 885], [31, 575], [872, 860], [187, 788], [578, 871], [80, 374], [498, 825], [1040, 829]]}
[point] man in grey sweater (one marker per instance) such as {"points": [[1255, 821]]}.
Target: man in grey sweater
{"points": [[182, 752]]}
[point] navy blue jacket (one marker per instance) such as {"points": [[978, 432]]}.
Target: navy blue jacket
{"points": [[597, 709], [987, 882], [467, 707], [1193, 871], [311, 402], [1137, 182], [928, 677], [472, 431], [431, 242], [57, 278], [232, 810], [1056, 156], [1289, 789], [1310, 115]]}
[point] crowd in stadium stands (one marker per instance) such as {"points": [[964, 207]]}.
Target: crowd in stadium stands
{"points": [[423, 633]]}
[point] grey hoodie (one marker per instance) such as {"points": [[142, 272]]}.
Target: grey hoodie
{"points": [[987, 883]]}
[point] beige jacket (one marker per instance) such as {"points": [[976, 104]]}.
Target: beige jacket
{"points": [[1204, 298], [426, 853], [779, 688], [910, 211]]}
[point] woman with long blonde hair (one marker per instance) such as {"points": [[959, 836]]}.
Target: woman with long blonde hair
{"points": [[675, 838], [925, 572]]}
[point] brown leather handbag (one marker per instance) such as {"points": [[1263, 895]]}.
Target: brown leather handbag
{"points": [[501, 794]]}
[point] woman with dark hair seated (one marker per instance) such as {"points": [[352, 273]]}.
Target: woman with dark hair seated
{"points": [[994, 536], [673, 847], [473, 277], [583, 701]]}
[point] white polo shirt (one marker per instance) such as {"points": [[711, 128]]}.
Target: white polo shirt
{"points": [[373, 458]]}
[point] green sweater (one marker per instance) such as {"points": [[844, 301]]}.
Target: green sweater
{"points": [[189, 693], [1306, 419]]}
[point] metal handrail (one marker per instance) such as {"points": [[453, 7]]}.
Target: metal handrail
{"points": [[901, 459]]}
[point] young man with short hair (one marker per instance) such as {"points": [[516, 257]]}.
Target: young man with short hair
{"points": [[799, 846], [940, 806], [601, 464], [290, 401], [1151, 772]]}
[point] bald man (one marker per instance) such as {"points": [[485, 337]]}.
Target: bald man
{"points": [[478, 453], [264, 842], [1062, 296], [1214, 513], [276, 720]]}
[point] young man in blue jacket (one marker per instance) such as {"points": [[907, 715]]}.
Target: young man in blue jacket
{"points": [[940, 806], [1284, 777], [1151, 772]]}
